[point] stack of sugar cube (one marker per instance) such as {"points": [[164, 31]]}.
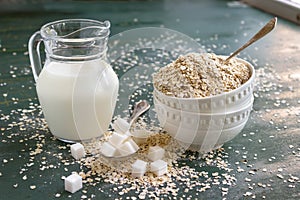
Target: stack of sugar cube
{"points": [[157, 166], [119, 145]]}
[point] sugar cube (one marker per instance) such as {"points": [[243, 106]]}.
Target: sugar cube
{"points": [[77, 151], [108, 149], [159, 167], [73, 183], [156, 153], [139, 168], [128, 147], [117, 138], [120, 125], [133, 144]]}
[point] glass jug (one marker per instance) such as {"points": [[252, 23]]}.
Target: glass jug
{"points": [[76, 87]]}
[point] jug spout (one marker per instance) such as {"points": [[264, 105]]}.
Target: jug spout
{"points": [[99, 31], [75, 39], [69, 40]]}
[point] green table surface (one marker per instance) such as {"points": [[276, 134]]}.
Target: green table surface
{"points": [[268, 148]]}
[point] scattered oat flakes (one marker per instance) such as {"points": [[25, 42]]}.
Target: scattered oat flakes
{"points": [[251, 172], [224, 189], [291, 186], [24, 177], [279, 176], [57, 195], [261, 185], [247, 194], [32, 187], [247, 179]]}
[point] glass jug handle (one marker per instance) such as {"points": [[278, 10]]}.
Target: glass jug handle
{"points": [[34, 54]]}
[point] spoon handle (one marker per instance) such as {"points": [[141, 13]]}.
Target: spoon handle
{"points": [[261, 33], [139, 109]]}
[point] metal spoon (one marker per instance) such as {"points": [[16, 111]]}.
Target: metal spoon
{"points": [[124, 126], [263, 31], [138, 110]]}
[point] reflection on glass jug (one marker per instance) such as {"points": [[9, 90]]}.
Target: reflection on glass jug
{"points": [[76, 87]]}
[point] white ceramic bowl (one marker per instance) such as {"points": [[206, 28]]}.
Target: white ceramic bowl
{"points": [[213, 104], [203, 130], [203, 121], [206, 140]]}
